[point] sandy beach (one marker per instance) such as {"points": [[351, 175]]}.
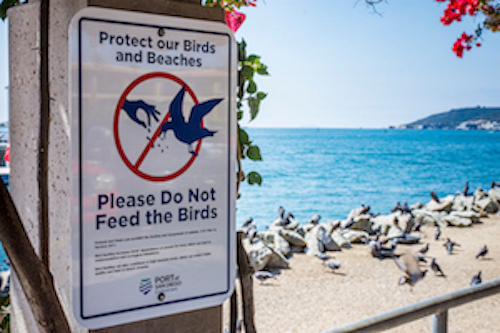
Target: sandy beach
{"points": [[310, 298]]}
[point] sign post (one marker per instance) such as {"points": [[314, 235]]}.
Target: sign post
{"points": [[152, 165]]}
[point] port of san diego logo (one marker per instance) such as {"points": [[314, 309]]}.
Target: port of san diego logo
{"points": [[162, 285]]}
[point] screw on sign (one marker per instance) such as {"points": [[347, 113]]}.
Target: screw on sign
{"points": [[188, 132]]}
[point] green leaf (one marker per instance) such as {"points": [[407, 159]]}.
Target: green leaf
{"points": [[252, 87], [240, 115], [253, 58], [243, 137], [254, 178], [253, 104], [261, 95], [253, 153], [247, 72], [262, 69], [6, 4]]}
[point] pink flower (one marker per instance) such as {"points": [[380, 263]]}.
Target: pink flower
{"points": [[234, 19]]}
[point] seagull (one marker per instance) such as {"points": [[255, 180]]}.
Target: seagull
{"points": [[436, 269], [192, 130], [409, 264], [437, 233], [476, 279], [424, 249], [333, 265], [482, 252], [263, 276]]}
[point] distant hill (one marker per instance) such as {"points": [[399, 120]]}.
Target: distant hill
{"points": [[453, 118]]}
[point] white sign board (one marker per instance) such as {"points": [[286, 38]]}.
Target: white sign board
{"points": [[152, 165]]}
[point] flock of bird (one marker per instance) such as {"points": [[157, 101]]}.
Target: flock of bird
{"points": [[382, 247]]}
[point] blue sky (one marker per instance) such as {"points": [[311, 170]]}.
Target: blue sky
{"points": [[336, 64]]}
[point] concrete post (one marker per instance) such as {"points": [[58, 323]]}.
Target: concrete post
{"points": [[26, 102]]}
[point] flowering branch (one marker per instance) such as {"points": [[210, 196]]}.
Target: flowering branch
{"points": [[247, 92], [456, 9]]}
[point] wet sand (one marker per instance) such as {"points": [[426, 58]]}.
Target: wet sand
{"points": [[310, 298]]}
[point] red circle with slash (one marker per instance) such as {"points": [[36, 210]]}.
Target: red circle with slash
{"points": [[134, 166]]}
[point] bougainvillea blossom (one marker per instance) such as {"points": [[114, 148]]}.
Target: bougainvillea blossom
{"points": [[456, 9], [234, 19]]}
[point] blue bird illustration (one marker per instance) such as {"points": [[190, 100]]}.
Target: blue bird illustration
{"points": [[192, 130]]}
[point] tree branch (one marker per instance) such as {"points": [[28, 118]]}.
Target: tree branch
{"points": [[35, 278]]}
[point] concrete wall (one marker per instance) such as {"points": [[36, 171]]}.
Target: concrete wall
{"points": [[25, 101]]}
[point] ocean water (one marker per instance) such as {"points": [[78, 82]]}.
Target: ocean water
{"points": [[331, 171]]}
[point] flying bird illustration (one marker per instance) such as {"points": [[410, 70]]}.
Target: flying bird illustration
{"points": [[192, 130]]}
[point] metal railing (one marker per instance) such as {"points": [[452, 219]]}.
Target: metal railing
{"points": [[437, 306]]}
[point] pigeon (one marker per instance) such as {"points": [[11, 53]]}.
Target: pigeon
{"points": [[378, 251], [406, 209], [349, 224], [315, 219], [476, 279], [482, 252], [286, 220], [421, 257], [323, 256], [409, 264], [396, 208], [251, 234], [393, 243], [417, 227], [281, 212], [436, 269], [424, 249], [248, 222], [449, 245], [263, 276], [437, 233], [434, 196], [333, 265]]}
